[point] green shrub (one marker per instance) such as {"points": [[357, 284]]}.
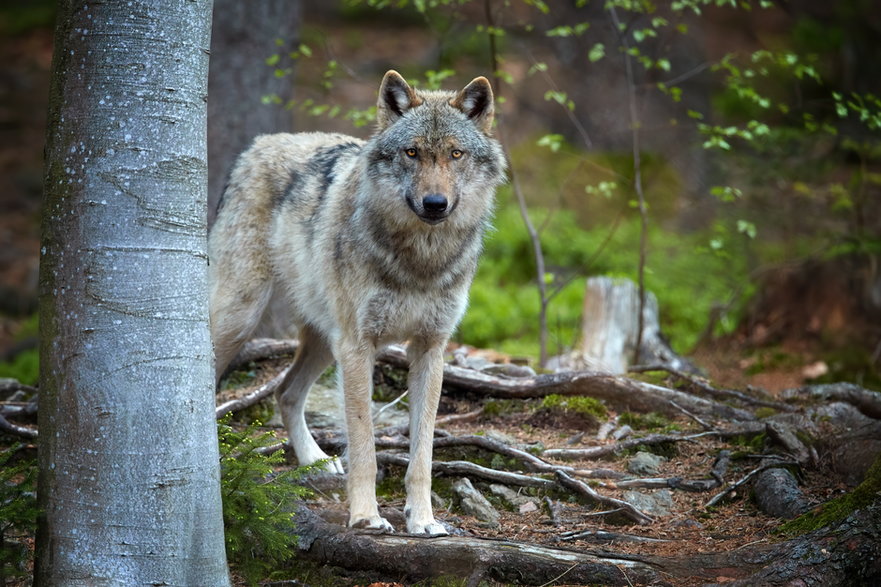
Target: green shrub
{"points": [[258, 501]]}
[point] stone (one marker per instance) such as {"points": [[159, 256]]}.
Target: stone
{"points": [[658, 503], [645, 464], [473, 503]]}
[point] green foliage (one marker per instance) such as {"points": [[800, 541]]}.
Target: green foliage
{"points": [[18, 511], [586, 406], [257, 501], [24, 366]]}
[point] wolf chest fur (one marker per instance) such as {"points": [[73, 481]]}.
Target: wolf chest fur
{"points": [[371, 242]]}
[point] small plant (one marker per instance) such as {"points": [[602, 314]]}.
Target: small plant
{"points": [[258, 501], [18, 511]]}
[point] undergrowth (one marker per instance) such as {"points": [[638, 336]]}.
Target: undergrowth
{"points": [[258, 502], [18, 512]]}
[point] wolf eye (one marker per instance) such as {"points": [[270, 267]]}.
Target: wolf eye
{"points": [[411, 153], [456, 154]]}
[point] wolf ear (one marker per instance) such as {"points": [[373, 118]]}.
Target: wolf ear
{"points": [[395, 97], [476, 100]]}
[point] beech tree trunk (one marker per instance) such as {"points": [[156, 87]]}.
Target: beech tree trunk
{"points": [[129, 465]]}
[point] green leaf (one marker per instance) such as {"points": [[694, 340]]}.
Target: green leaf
{"points": [[747, 228], [597, 52], [551, 141]]}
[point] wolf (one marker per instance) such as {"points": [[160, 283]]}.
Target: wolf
{"points": [[372, 243]]}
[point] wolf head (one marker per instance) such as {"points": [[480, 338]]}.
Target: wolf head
{"points": [[433, 151]]}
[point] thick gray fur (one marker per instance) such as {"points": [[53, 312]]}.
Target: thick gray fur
{"points": [[372, 243]]}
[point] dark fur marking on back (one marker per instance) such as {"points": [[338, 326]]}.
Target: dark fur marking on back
{"points": [[290, 192], [324, 162]]}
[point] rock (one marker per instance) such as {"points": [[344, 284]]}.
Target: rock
{"points": [[658, 503], [622, 432], [474, 504], [528, 507], [514, 499], [645, 464]]}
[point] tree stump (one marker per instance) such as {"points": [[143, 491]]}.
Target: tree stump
{"points": [[610, 327]]}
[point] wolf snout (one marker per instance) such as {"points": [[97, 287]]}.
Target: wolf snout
{"points": [[434, 204], [432, 209]]}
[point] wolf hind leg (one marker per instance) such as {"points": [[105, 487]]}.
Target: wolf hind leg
{"points": [[313, 357]]}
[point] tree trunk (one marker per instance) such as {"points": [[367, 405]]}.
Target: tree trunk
{"points": [[244, 35], [129, 477]]}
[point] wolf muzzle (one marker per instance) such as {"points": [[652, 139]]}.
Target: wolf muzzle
{"points": [[433, 209]]}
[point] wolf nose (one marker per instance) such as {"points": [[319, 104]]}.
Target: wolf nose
{"points": [[434, 203]]}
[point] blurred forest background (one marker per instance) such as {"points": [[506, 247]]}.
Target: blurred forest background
{"points": [[748, 133]]}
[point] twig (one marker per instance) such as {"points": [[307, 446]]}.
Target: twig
{"points": [[604, 536], [465, 468], [586, 491], [595, 452], [394, 402], [262, 392], [635, 124], [700, 422]]}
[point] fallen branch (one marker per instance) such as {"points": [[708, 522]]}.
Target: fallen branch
{"points": [[588, 492], [617, 390], [867, 402], [474, 559], [704, 387]]}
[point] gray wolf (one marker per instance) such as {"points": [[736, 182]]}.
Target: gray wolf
{"points": [[372, 242]]}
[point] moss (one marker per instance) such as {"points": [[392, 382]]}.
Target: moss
{"points": [[586, 406], [501, 407], [839, 508], [239, 378], [764, 412], [651, 421]]}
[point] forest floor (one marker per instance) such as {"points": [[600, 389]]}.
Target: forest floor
{"points": [[561, 519]]}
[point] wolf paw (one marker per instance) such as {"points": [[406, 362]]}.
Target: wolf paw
{"points": [[334, 466], [372, 523], [430, 528]]}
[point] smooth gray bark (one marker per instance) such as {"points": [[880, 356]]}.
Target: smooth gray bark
{"points": [[129, 474]]}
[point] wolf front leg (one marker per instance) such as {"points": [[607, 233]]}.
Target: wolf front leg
{"points": [[355, 362], [426, 377]]}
